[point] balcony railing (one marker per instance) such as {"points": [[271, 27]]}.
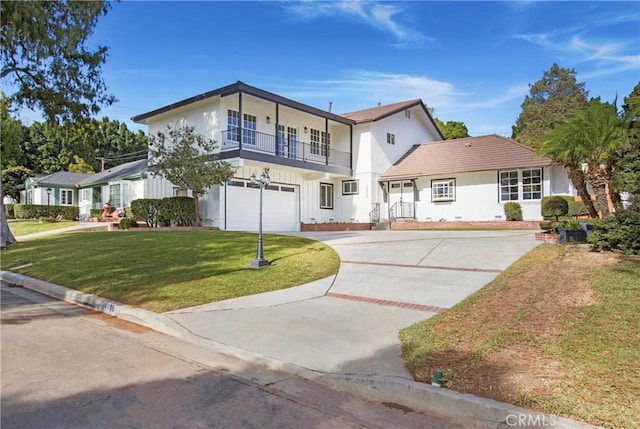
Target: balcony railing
{"points": [[284, 147]]}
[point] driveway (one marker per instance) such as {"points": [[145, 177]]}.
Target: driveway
{"points": [[387, 280]]}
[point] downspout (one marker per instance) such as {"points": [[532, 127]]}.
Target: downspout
{"points": [[351, 147], [278, 148], [225, 206]]}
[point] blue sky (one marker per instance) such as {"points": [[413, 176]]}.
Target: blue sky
{"points": [[470, 61]]}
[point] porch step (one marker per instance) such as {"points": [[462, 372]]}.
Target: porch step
{"points": [[382, 225]]}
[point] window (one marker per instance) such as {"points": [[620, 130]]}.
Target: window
{"points": [[407, 114], [326, 196], [443, 190], [315, 141], [324, 143], [391, 138], [114, 195], [85, 194], [233, 123], [509, 185], [521, 185], [66, 197], [350, 187], [532, 184], [249, 126]]}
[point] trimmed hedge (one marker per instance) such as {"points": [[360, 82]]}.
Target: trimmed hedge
{"points": [[178, 211], [35, 211], [576, 208], [554, 207], [618, 233]]}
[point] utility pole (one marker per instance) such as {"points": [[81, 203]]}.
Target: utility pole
{"points": [[102, 163]]}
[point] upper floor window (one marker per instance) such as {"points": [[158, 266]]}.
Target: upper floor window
{"points": [[325, 142], [314, 140], [443, 190], [407, 114], [233, 124], [249, 126], [391, 138], [350, 187]]}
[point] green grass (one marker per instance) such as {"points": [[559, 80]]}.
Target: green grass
{"points": [[596, 344], [20, 227], [168, 270]]}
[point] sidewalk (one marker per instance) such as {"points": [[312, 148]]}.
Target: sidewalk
{"points": [[343, 330]]}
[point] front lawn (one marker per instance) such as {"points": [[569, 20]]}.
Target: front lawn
{"points": [[557, 332], [167, 270], [20, 227]]}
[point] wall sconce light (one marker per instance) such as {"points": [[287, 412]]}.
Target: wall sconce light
{"points": [[306, 130], [268, 120]]}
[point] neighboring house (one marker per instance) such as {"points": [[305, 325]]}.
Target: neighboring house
{"points": [[57, 189], [117, 185], [470, 179], [324, 167]]}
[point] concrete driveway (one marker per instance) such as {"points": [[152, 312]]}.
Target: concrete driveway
{"points": [[387, 280]]}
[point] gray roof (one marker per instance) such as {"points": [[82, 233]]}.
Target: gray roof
{"points": [[484, 153], [129, 170], [60, 178]]}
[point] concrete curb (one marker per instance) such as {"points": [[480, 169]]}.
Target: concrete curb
{"points": [[469, 410]]}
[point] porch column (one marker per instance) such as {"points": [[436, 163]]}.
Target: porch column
{"points": [[240, 119], [327, 141]]}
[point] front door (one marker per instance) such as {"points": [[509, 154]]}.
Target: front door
{"points": [[401, 199]]}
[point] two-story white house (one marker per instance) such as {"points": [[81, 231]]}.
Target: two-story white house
{"points": [[323, 167]]}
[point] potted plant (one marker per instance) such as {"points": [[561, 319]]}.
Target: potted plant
{"points": [[571, 231]]}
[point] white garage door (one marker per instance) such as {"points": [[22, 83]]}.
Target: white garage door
{"points": [[280, 207]]}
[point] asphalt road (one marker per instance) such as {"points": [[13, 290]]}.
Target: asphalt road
{"points": [[67, 367]]}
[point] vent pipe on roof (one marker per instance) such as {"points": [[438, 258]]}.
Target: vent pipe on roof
{"points": [[330, 104]]}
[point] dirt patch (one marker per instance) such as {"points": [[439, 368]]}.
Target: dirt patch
{"points": [[498, 343], [118, 323]]}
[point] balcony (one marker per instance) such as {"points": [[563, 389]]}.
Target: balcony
{"points": [[284, 151]]}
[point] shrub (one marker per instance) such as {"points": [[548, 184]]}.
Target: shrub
{"points": [[47, 219], [512, 211], [554, 207], [177, 211], [618, 233], [571, 224], [9, 211], [551, 226], [35, 211], [95, 213], [126, 223], [576, 208]]}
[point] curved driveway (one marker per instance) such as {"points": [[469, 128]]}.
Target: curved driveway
{"points": [[349, 324]]}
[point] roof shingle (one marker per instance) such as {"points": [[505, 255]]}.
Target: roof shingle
{"points": [[484, 153]]}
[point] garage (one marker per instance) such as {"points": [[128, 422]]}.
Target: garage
{"points": [[280, 206]]}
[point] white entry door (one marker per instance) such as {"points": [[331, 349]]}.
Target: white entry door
{"points": [[401, 199]]}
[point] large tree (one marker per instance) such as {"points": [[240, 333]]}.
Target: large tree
{"points": [[452, 129], [45, 61], [184, 157], [626, 177], [551, 100]]}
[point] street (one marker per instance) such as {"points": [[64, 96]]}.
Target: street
{"points": [[67, 367]]}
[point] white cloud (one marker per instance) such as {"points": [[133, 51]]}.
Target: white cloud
{"points": [[380, 16]]}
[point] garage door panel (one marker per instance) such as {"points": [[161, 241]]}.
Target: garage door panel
{"points": [[280, 208]]}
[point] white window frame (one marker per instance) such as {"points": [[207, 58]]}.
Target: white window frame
{"points": [[66, 197], [249, 127], [532, 184], [391, 138], [314, 141], [325, 142], [509, 185], [443, 190], [520, 185], [350, 187], [326, 196], [118, 194], [233, 123]]}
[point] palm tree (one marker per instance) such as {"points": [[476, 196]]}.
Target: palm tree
{"points": [[592, 136], [560, 145]]}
